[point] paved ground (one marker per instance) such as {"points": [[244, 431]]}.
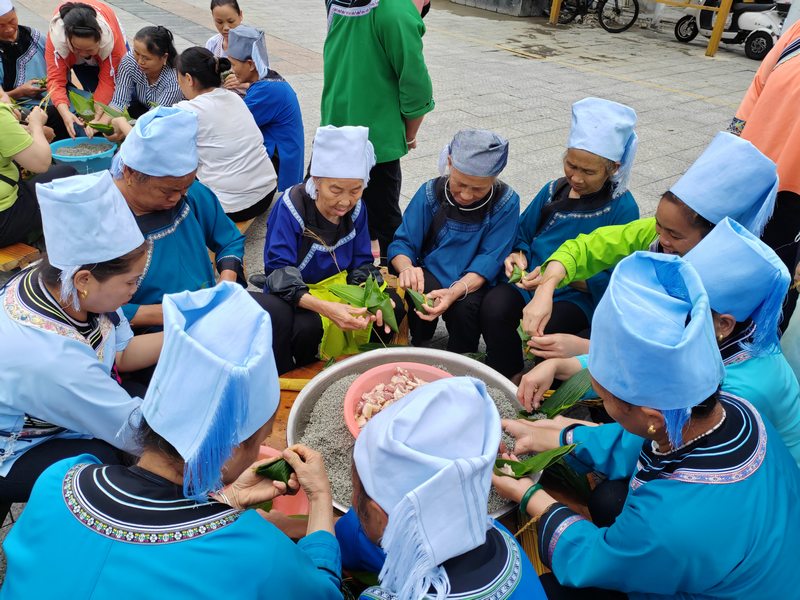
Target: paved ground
{"points": [[515, 76]]}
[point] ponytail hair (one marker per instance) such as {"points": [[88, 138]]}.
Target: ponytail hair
{"points": [[203, 66], [159, 41], [80, 20]]}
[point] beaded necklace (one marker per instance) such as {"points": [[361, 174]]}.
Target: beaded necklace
{"points": [[692, 441]]}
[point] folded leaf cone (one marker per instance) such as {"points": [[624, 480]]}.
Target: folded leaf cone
{"points": [[277, 470], [517, 274], [421, 301], [534, 464], [84, 107], [523, 335], [102, 127]]}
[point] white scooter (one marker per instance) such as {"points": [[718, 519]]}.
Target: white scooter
{"points": [[756, 25]]}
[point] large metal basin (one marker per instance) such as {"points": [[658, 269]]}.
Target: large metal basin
{"points": [[456, 364]]}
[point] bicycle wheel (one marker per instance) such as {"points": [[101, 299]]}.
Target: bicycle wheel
{"points": [[616, 16], [569, 10]]}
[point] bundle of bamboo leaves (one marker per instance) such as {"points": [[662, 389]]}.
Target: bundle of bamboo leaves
{"points": [[86, 106], [371, 295]]}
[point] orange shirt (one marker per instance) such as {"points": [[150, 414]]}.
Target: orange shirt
{"points": [[770, 110]]}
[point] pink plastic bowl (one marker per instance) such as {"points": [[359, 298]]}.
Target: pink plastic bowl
{"points": [[382, 374], [288, 505]]}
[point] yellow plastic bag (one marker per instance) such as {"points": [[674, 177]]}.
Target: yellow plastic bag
{"points": [[336, 342]]}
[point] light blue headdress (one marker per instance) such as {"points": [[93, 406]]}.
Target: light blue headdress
{"points": [[606, 128], [341, 153], [163, 143], [476, 152], [653, 341], [5, 7], [86, 221], [731, 178], [744, 278], [245, 43], [215, 383], [427, 461]]}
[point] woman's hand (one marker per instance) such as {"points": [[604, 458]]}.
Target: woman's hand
{"points": [[231, 82], [37, 117], [310, 471], [532, 280], [379, 319], [29, 89], [250, 489], [535, 383], [121, 129], [515, 258], [537, 312], [508, 487], [558, 345], [70, 119], [412, 278], [348, 318], [442, 300]]}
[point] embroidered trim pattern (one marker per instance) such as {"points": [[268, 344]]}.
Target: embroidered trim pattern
{"points": [[24, 59], [89, 517], [562, 527], [24, 316]]}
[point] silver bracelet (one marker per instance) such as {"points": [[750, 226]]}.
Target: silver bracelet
{"points": [[466, 289]]}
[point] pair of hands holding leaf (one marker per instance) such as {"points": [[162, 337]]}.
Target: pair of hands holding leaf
{"points": [[428, 306], [251, 489]]}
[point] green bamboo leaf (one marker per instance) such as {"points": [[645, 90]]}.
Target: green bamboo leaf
{"points": [[277, 470], [388, 313], [373, 295], [534, 464], [567, 395], [113, 112], [102, 128], [523, 335], [352, 294], [421, 301], [265, 506], [517, 274], [84, 107]]}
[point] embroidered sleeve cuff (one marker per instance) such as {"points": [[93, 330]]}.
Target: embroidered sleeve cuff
{"points": [[567, 434], [552, 524], [736, 126]]}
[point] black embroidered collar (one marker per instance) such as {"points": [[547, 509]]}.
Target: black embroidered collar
{"points": [[733, 349], [730, 454], [133, 505], [153, 222]]}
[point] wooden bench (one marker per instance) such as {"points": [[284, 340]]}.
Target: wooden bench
{"points": [[17, 256], [244, 225]]}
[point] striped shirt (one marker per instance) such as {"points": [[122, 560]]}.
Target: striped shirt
{"points": [[132, 84]]}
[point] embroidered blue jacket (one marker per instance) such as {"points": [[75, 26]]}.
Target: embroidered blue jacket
{"points": [[288, 244], [710, 520], [181, 238], [499, 570], [468, 242], [551, 219]]}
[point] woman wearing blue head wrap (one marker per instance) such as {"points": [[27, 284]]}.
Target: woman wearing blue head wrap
{"points": [[176, 519], [64, 338], [271, 100], [593, 193], [454, 235], [711, 493], [730, 179]]}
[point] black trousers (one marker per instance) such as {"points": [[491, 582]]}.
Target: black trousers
{"points": [[462, 320], [382, 197], [500, 314], [297, 332], [251, 212], [22, 221], [17, 485], [780, 234]]}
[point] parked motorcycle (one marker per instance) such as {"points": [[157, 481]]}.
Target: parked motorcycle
{"points": [[756, 25]]}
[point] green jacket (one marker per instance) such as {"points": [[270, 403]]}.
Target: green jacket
{"points": [[589, 254], [375, 73]]}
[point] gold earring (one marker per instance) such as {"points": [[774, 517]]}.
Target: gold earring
{"points": [[84, 294], [651, 430]]}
